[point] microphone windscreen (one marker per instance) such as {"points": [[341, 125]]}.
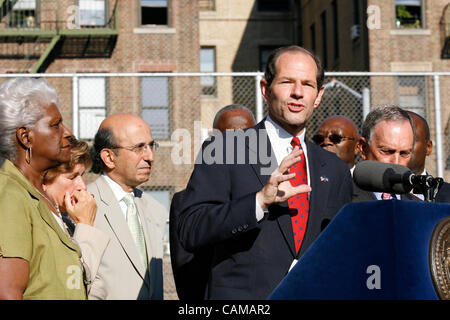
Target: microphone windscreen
{"points": [[381, 177]]}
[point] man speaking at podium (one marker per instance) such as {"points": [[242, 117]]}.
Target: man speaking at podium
{"points": [[261, 215], [387, 135]]}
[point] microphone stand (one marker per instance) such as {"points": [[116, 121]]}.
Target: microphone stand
{"points": [[427, 185]]}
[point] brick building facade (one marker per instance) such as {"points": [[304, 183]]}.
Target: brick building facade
{"points": [[387, 36]]}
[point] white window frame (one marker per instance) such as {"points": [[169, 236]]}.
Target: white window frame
{"points": [[155, 132], [98, 5], [209, 90], [411, 3], [91, 112], [157, 4]]}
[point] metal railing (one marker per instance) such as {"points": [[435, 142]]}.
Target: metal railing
{"points": [[348, 93]]}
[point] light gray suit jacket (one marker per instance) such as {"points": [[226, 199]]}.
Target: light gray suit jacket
{"points": [[121, 274]]}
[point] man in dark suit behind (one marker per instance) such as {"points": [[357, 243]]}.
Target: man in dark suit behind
{"points": [[422, 149], [243, 198], [387, 136], [191, 269]]}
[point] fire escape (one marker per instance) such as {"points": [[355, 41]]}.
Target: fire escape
{"points": [[35, 32]]}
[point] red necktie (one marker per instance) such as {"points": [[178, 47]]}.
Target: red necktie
{"points": [[386, 196], [299, 203]]}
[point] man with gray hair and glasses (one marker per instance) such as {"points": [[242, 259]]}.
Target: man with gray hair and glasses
{"points": [[387, 136]]}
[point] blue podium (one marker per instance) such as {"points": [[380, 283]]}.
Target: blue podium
{"points": [[370, 250]]}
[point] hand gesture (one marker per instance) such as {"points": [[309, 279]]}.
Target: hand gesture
{"points": [[278, 188], [81, 207]]}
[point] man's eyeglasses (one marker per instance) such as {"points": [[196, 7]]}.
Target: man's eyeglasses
{"points": [[334, 138], [141, 147]]}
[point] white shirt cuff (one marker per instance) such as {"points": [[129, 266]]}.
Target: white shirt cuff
{"points": [[259, 211]]}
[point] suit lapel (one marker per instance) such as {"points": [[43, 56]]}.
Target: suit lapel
{"points": [[266, 161], [114, 216], [263, 168]]}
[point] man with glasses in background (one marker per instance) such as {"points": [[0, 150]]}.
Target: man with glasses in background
{"points": [[339, 135], [131, 267]]}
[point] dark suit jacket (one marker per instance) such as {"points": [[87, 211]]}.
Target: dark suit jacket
{"points": [[250, 257], [443, 194], [360, 195], [190, 270]]}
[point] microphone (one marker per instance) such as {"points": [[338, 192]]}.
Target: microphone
{"points": [[386, 177]]}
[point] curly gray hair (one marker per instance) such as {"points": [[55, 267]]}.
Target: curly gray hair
{"points": [[21, 103]]}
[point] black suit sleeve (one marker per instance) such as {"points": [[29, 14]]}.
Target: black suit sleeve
{"points": [[209, 214]]}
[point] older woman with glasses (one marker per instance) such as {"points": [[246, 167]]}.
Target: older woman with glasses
{"points": [[38, 259]]}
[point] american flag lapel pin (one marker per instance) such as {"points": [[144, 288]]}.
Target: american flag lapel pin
{"points": [[323, 178]]}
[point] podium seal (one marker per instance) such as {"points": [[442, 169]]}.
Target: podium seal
{"points": [[439, 258]]}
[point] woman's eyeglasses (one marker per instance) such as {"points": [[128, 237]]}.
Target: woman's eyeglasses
{"points": [[334, 138]]}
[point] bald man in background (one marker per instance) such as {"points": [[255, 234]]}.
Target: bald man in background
{"points": [[131, 267], [191, 269], [233, 117], [339, 135], [422, 149]]}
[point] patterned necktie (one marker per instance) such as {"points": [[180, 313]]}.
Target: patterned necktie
{"points": [[135, 227], [386, 196], [300, 202]]}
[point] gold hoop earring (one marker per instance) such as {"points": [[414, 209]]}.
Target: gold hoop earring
{"points": [[28, 155]]}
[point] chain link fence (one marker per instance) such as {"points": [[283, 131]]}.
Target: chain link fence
{"points": [[180, 109]]}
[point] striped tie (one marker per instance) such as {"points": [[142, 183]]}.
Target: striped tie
{"points": [[135, 227]]}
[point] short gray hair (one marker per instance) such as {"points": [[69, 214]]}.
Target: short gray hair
{"points": [[386, 112], [21, 102], [231, 107]]}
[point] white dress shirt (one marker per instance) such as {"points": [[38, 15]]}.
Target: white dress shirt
{"points": [[280, 141], [379, 195], [419, 195], [119, 193]]}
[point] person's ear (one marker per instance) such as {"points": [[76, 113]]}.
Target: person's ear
{"points": [[108, 157], [24, 137], [319, 97], [265, 89], [357, 147], [429, 147], [363, 148]]}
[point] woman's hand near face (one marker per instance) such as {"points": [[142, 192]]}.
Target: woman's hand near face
{"points": [[81, 207]]}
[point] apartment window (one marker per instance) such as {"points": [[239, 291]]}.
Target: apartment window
{"points": [[323, 22], [411, 93], [23, 14], [335, 29], [312, 35], [264, 53], [155, 105], [409, 13], [91, 105], [163, 196], [208, 64], [207, 5], [273, 5], [356, 18], [154, 12], [92, 13]]}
